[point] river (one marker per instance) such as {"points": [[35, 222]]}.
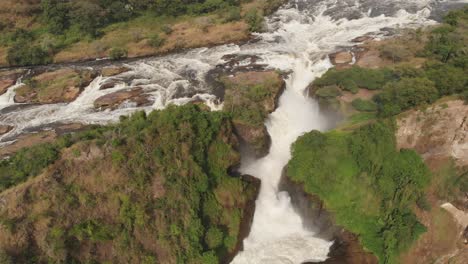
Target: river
{"points": [[298, 39]]}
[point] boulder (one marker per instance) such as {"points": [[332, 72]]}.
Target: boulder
{"points": [[108, 85], [113, 100], [60, 86], [361, 39], [256, 137], [112, 71]]}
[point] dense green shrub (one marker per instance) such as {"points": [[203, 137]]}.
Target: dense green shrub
{"points": [[23, 53], [118, 53], [464, 96], [328, 92], [364, 105], [354, 78], [447, 78], [255, 20], [26, 163], [368, 185], [173, 188], [233, 14], [404, 94], [395, 52]]}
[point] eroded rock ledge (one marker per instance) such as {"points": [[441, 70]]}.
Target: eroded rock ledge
{"points": [[250, 97]]}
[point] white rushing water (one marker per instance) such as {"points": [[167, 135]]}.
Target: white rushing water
{"points": [[300, 36], [305, 36]]}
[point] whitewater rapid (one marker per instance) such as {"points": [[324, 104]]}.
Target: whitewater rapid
{"points": [[298, 39]]}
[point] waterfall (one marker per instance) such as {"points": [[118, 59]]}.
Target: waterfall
{"points": [[298, 39]]}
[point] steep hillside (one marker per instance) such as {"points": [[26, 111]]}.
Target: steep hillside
{"points": [[153, 189], [45, 31]]}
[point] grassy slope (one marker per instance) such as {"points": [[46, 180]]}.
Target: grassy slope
{"points": [[133, 35], [150, 189], [355, 187], [366, 183]]}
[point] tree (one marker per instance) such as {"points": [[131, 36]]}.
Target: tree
{"points": [[55, 14], [86, 16], [406, 93], [23, 54], [447, 78]]}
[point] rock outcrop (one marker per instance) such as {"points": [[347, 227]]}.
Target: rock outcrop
{"points": [[5, 129], [341, 59], [114, 100], [60, 86], [112, 71], [8, 78], [250, 96], [438, 133]]}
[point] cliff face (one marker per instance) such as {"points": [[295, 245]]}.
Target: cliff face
{"points": [[151, 189], [250, 97], [438, 133]]}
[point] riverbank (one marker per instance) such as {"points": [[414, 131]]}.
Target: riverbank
{"points": [[435, 129], [141, 35]]}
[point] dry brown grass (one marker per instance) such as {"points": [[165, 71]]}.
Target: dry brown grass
{"points": [[19, 13], [185, 35]]}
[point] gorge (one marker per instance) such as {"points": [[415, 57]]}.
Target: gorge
{"points": [[298, 39]]}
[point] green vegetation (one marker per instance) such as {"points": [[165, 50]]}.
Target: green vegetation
{"points": [[63, 30], [156, 41], [26, 163], [366, 183], [153, 188], [246, 99], [364, 105], [30, 162], [255, 20], [328, 92], [354, 78], [405, 86], [397, 97], [118, 53]]}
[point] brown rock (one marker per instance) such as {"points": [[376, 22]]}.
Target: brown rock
{"points": [[108, 85], [361, 39], [5, 129], [8, 78], [342, 57], [256, 137], [113, 100], [27, 140], [112, 71], [60, 86], [438, 133], [255, 91], [5, 84]]}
